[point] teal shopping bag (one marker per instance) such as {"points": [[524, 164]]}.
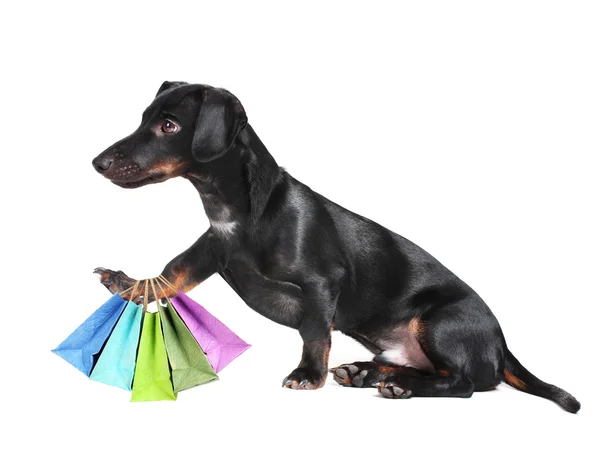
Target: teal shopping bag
{"points": [[116, 364]]}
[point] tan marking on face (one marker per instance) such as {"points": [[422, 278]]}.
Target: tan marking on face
{"points": [[168, 168]]}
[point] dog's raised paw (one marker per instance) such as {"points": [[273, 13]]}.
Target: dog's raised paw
{"points": [[359, 374], [304, 379], [114, 281]]}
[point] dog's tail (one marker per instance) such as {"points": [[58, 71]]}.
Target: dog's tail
{"points": [[520, 378]]}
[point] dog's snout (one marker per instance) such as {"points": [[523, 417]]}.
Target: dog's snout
{"points": [[102, 163]]}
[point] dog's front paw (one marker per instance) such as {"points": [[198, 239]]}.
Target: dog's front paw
{"points": [[115, 281], [305, 379]]}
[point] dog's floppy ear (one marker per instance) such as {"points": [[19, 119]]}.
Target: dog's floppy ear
{"points": [[168, 85], [220, 120]]}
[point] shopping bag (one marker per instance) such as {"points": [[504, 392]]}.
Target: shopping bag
{"points": [[84, 344], [152, 378], [219, 343], [116, 364], [189, 364]]}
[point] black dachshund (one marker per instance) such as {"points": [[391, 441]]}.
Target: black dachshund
{"points": [[305, 262]]}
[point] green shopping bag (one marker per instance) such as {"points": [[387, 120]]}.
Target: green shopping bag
{"points": [[152, 378], [189, 364]]}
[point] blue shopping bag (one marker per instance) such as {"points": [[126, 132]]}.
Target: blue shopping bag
{"points": [[116, 364], [83, 345]]}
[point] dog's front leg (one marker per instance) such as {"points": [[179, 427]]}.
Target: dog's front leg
{"points": [[315, 330], [184, 272]]}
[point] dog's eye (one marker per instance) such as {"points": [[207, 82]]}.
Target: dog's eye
{"points": [[169, 127]]}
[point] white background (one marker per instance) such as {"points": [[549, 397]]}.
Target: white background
{"points": [[470, 128]]}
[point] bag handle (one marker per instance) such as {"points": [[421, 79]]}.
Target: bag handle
{"points": [[158, 283], [134, 287], [154, 291], [168, 283], [128, 289], [151, 281], [145, 307]]}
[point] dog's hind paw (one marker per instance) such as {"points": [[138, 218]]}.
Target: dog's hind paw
{"points": [[305, 379], [390, 389], [359, 374]]}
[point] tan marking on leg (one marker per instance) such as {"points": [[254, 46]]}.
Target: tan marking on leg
{"points": [[514, 381], [326, 360], [179, 280], [416, 327], [326, 353], [387, 369]]}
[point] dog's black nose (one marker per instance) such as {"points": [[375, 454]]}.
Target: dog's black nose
{"points": [[101, 164]]}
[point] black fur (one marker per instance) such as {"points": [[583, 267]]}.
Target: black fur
{"points": [[303, 261]]}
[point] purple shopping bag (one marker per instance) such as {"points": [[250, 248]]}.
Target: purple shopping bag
{"points": [[219, 343]]}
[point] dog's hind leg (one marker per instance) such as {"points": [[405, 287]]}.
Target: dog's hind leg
{"points": [[397, 351], [464, 344], [401, 386]]}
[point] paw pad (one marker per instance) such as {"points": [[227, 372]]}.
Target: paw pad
{"points": [[393, 391], [354, 375]]}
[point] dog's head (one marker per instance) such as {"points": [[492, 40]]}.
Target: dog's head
{"points": [[185, 124]]}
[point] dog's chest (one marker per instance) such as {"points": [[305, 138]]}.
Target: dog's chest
{"points": [[220, 216]]}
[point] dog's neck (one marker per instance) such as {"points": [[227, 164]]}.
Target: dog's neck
{"points": [[235, 188]]}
